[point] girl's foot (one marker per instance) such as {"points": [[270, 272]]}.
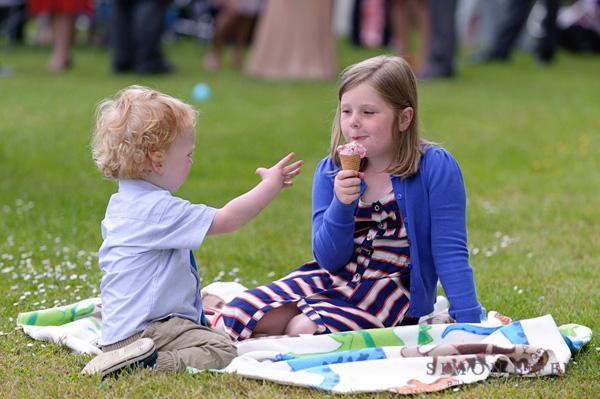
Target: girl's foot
{"points": [[214, 316]]}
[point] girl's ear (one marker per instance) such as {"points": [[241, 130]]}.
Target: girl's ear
{"points": [[406, 117], [156, 160]]}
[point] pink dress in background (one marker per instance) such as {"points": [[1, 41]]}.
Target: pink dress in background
{"points": [[62, 7], [294, 40]]}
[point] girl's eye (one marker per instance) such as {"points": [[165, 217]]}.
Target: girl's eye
{"points": [[345, 111], [368, 112]]}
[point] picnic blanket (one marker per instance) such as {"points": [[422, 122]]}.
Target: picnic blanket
{"points": [[407, 359]]}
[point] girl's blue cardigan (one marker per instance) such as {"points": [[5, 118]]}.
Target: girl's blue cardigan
{"points": [[433, 208]]}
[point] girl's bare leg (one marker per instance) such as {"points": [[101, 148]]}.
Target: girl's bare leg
{"points": [[300, 324], [275, 321]]}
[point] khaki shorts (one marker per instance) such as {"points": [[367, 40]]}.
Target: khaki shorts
{"points": [[181, 343]]}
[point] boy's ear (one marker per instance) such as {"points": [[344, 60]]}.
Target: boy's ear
{"points": [[156, 160], [406, 117]]}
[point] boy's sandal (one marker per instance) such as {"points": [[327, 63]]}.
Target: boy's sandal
{"points": [[140, 353]]}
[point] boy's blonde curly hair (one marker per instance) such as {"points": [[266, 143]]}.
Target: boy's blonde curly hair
{"points": [[137, 122]]}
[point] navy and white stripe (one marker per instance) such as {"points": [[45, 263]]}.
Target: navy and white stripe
{"points": [[371, 291]]}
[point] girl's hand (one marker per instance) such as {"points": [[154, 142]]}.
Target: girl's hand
{"points": [[282, 173], [347, 186]]}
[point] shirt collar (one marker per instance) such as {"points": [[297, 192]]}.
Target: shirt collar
{"points": [[136, 185]]}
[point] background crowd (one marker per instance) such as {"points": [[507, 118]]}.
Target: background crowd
{"points": [[291, 39]]}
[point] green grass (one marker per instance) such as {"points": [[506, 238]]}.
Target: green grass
{"points": [[527, 138]]}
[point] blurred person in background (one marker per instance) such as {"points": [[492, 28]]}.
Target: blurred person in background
{"points": [[510, 26], [99, 24], [579, 26], [137, 30], [13, 14], [440, 63], [476, 22], [235, 18], [5, 12], [403, 12], [374, 21], [294, 40], [370, 20], [62, 16]]}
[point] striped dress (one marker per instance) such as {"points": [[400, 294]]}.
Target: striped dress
{"points": [[371, 291]]}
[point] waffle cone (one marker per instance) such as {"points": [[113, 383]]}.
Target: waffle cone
{"points": [[350, 162]]}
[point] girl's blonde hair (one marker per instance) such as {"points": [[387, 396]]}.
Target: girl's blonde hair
{"points": [[137, 122], [395, 82]]}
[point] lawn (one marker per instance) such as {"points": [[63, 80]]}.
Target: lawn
{"points": [[527, 138]]}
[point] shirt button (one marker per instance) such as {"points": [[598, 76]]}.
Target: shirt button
{"points": [[356, 278], [377, 208], [380, 225], [320, 328]]}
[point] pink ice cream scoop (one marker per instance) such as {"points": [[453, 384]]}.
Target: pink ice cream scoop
{"points": [[352, 148], [351, 155]]}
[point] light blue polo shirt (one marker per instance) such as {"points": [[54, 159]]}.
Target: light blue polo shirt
{"points": [[147, 271]]}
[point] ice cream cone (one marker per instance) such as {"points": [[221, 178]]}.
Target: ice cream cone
{"points": [[350, 162]]}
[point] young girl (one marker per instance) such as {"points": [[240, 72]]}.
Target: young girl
{"points": [[382, 236], [150, 290]]}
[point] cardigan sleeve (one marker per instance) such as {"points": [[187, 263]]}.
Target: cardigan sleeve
{"points": [[332, 221], [447, 200]]}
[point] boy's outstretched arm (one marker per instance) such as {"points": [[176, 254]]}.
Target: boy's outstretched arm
{"points": [[244, 208]]}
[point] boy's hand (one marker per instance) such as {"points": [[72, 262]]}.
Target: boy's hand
{"points": [[244, 208], [347, 186], [282, 173]]}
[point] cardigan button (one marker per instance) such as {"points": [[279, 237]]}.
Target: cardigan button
{"points": [[399, 196]]}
